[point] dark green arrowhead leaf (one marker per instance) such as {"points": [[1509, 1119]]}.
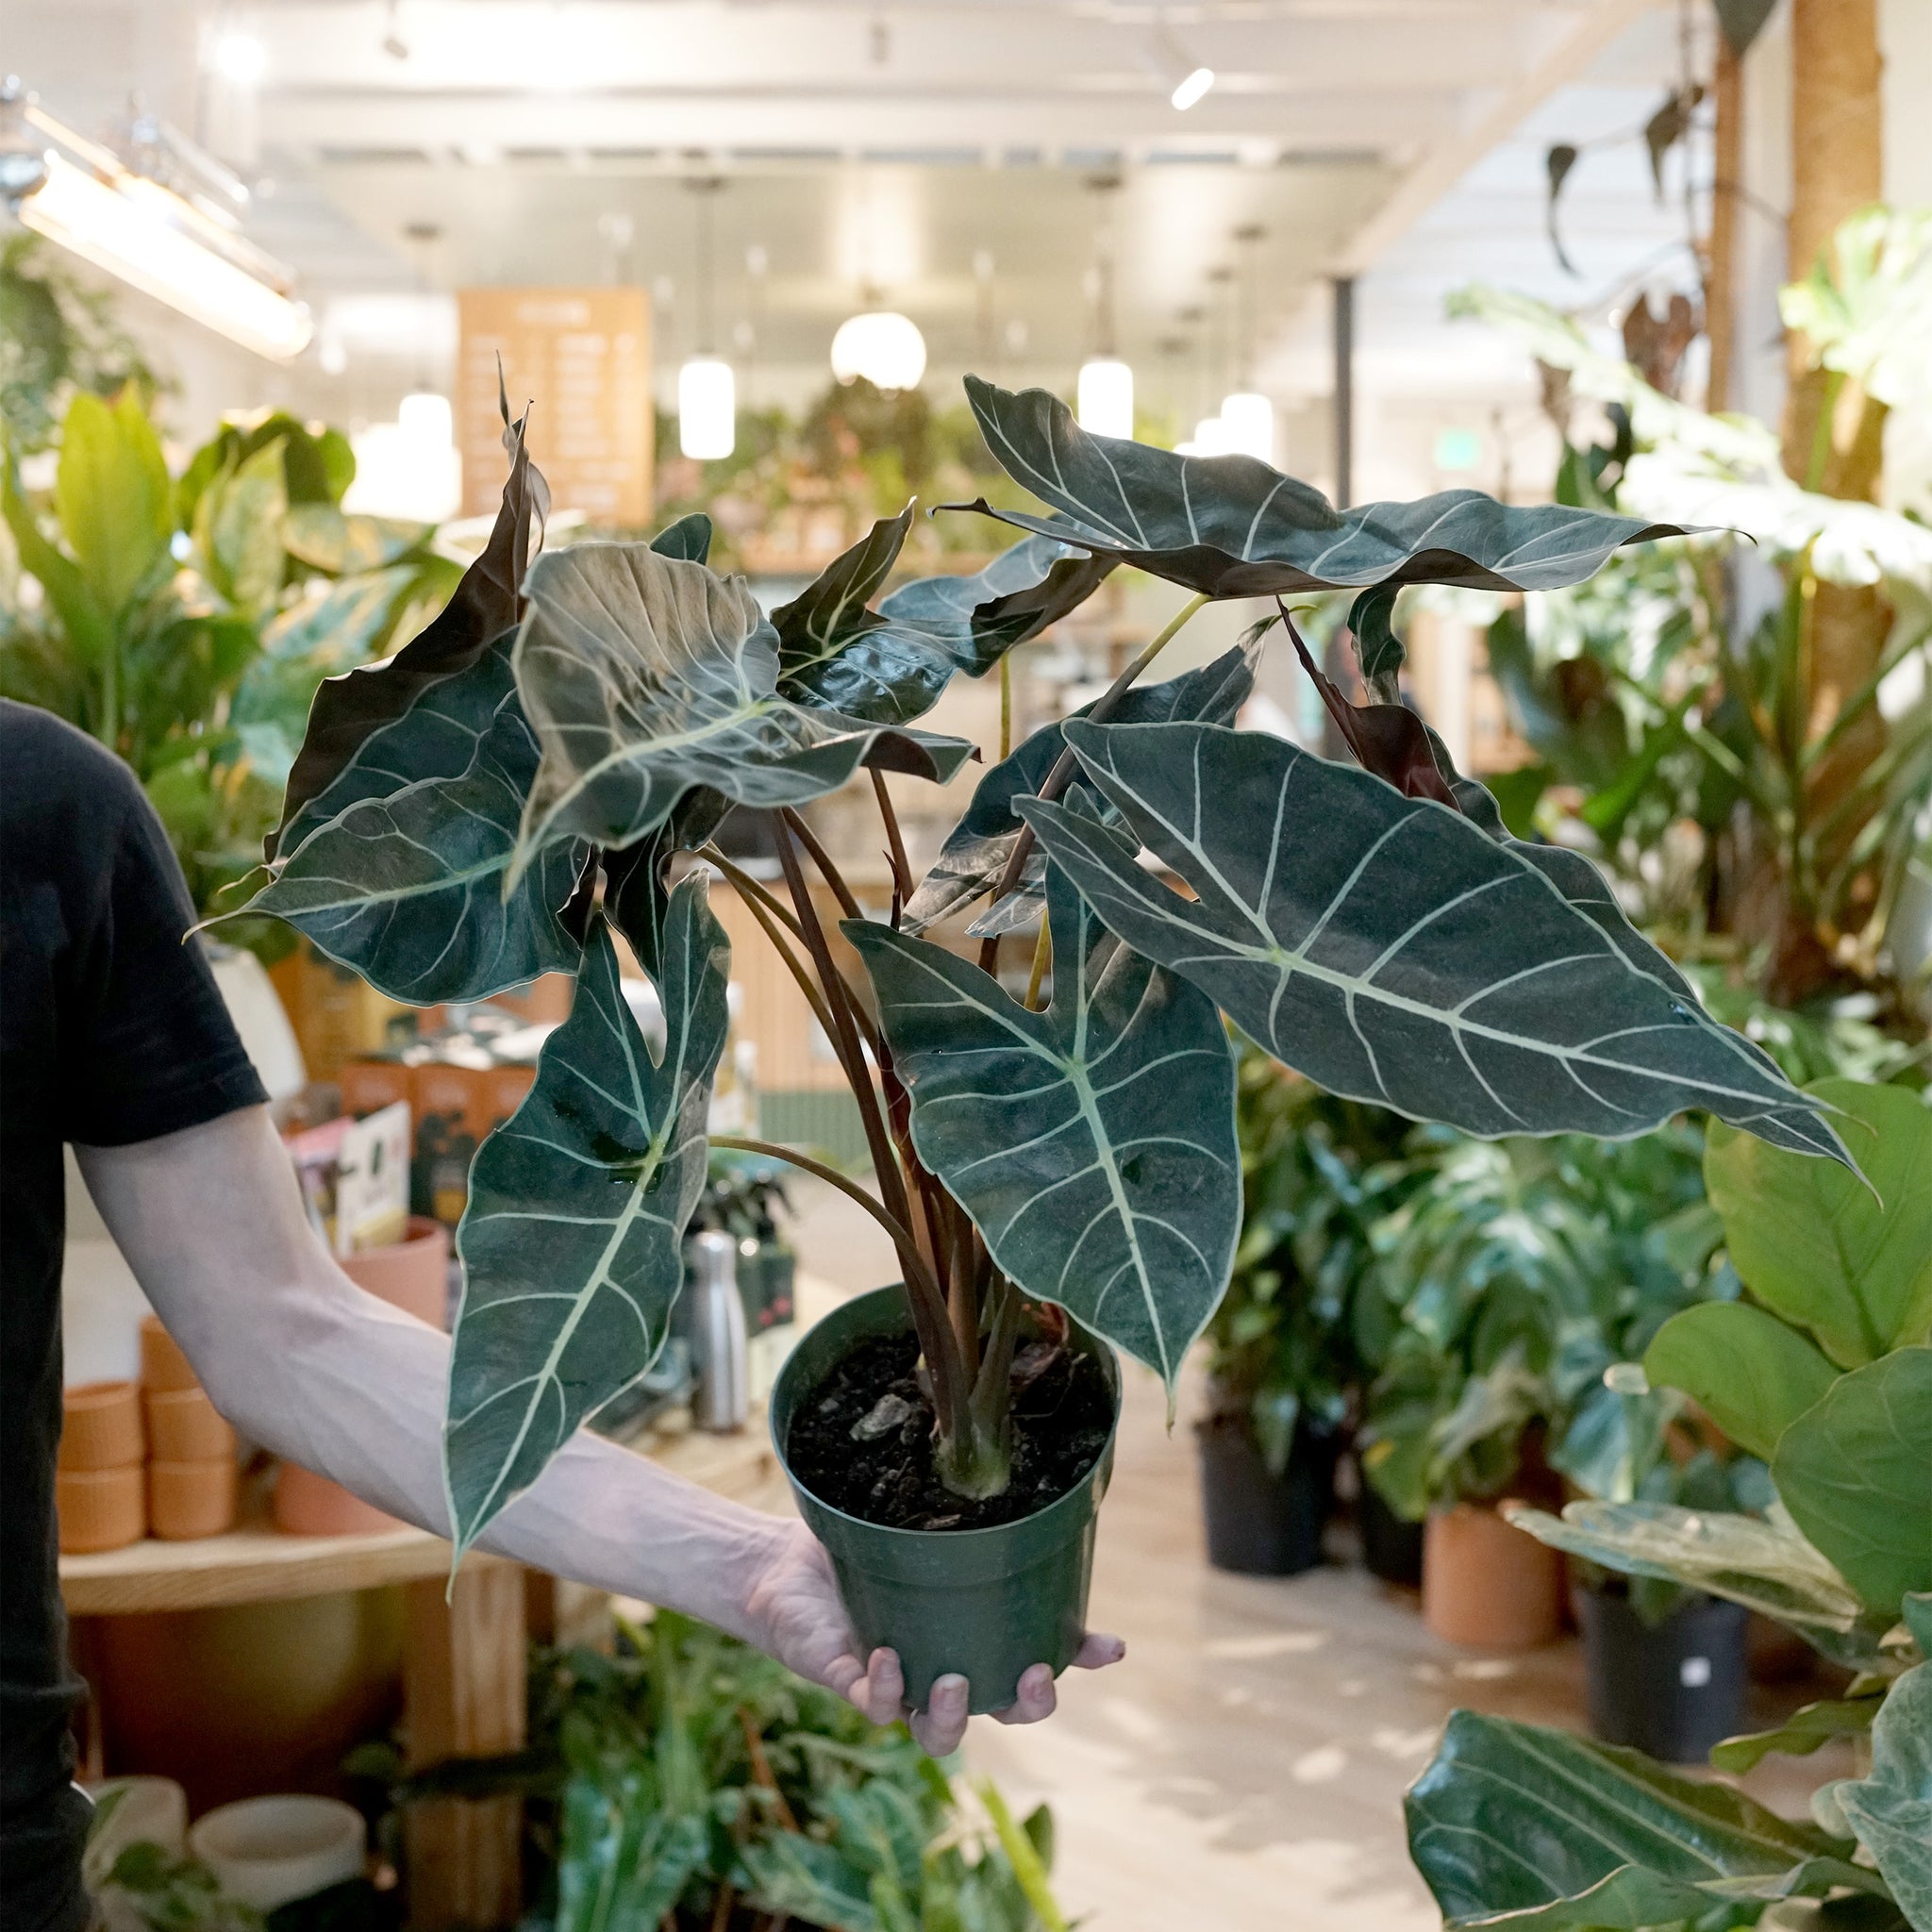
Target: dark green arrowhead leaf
{"points": [[1555, 1830], [1892, 1809], [399, 868], [1748, 1371], [1379, 652], [571, 1241], [1852, 1263], [482, 607], [689, 538], [1232, 526], [647, 676], [976, 850], [1093, 1144], [635, 893], [1802, 1733], [1391, 951], [891, 664], [1855, 1472]]}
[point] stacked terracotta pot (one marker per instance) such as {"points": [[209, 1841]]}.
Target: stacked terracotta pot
{"points": [[192, 1471], [100, 1483]]}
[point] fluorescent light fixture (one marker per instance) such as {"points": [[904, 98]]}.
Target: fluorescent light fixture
{"points": [[1106, 400], [148, 236], [881, 345], [1247, 418], [1193, 87], [706, 410], [240, 56]]}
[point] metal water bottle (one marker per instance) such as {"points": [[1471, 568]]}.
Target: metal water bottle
{"points": [[718, 1337]]}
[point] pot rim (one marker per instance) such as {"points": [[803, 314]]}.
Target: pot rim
{"points": [[1103, 1352]]}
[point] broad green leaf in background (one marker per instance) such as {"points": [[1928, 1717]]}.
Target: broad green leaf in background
{"points": [[1892, 1809], [1763, 1563], [1851, 1263], [624, 1860], [404, 878], [1093, 1144], [978, 848], [891, 664], [1802, 1733], [337, 630], [325, 537], [1855, 1472], [112, 494], [1389, 949], [1232, 526], [645, 676], [238, 527], [572, 1242], [1533, 1827], [483, 605], [89, 627], [1752, 1374]]}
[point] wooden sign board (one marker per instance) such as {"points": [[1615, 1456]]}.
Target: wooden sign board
{"points": [[582, 358]]}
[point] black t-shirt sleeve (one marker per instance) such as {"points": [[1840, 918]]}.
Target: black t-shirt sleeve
{"points": [[147, 1047]]}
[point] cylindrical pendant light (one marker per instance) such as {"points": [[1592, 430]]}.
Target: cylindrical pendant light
{"points": [[1247, 421], [883, 346], [1104, 401], [1248, 416], [707, 390]]}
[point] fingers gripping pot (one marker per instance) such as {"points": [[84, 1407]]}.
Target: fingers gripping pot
{"points": [[986, 1604]]}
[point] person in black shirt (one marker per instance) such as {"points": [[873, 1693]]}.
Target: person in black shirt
{"points": [[113, 1038]]}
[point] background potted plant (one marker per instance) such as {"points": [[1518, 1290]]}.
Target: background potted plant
{"points": [[1282, 1370], [1824, 1370], [514, 786]]}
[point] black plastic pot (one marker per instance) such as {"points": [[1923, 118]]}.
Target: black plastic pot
{"points": [[1391, 1545], [1259, 1523], [1673, 1689], [986, 1603]]}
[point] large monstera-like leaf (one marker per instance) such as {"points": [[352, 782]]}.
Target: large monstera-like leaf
{"points": [[978, 848], [1391, 950], [1092, 1144], [1232, 526], [890, 665], [1512, 1824], [572, 1239], [647, 676], [399, 871], [1891, 1809]]}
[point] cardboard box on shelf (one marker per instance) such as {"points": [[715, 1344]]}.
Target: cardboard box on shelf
{"points": [[336, 1017], [368, 1086]]}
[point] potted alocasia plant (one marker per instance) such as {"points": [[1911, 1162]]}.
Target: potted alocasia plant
{"points": [[1824, 1370], [516, 786]]}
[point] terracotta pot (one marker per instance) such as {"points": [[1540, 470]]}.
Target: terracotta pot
{"points": [[183, 1426], [311, 1505], [187, 1500], [1488, 1584], [99, 1509], [411, 1274], [101, 1426], [163, 1364]]}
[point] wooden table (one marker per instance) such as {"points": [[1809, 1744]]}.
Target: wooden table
{"points": [[465, 1666]]}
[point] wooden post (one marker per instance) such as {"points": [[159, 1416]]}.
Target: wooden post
{"points": [[464, 1695]]}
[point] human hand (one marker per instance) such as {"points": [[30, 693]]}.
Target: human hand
{"points": [[795, 1614]]}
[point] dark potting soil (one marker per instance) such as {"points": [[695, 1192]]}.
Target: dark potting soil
{"points": [[1060, 1423]]}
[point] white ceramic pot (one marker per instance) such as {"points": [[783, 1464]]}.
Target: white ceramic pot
{"points": [[266, 1852]]}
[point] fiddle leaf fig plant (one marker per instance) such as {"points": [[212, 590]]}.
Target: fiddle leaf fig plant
{"points": [[1067, 1153]]}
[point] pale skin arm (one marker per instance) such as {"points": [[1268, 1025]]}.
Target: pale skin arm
{"points": [[304, 1363]]}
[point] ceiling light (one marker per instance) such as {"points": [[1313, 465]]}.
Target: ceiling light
{"points": [[1191, 86], [1106, 398], [153, 240], [240, 56], [1208, 440], [706, 410], [1247, 421], [883, 346], [410, 468]]}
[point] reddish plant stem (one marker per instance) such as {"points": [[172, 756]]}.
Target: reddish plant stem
{"points": [[902, 872]]}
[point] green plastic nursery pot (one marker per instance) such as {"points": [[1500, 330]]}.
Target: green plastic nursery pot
{"points": [[984, 1603]]}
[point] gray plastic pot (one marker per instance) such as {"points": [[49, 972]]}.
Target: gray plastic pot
{"points": [[984, 1603]]}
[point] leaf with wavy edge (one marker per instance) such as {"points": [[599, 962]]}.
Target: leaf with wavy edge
{"points": [[1749, 1371], [1092, 1144], [646, 676], [1890, 1809], [1516, 1825], [1233, 527], [890, 665], [572, 1242], [399, 871], [976, 850], [1391, 951]]}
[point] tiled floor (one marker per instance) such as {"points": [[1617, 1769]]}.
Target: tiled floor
{"points": [[1244, 1767]]}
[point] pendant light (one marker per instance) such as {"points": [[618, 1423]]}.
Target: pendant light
{"points": [[1248, 416], [706, 389], [1104, 402], [881, 345]]}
